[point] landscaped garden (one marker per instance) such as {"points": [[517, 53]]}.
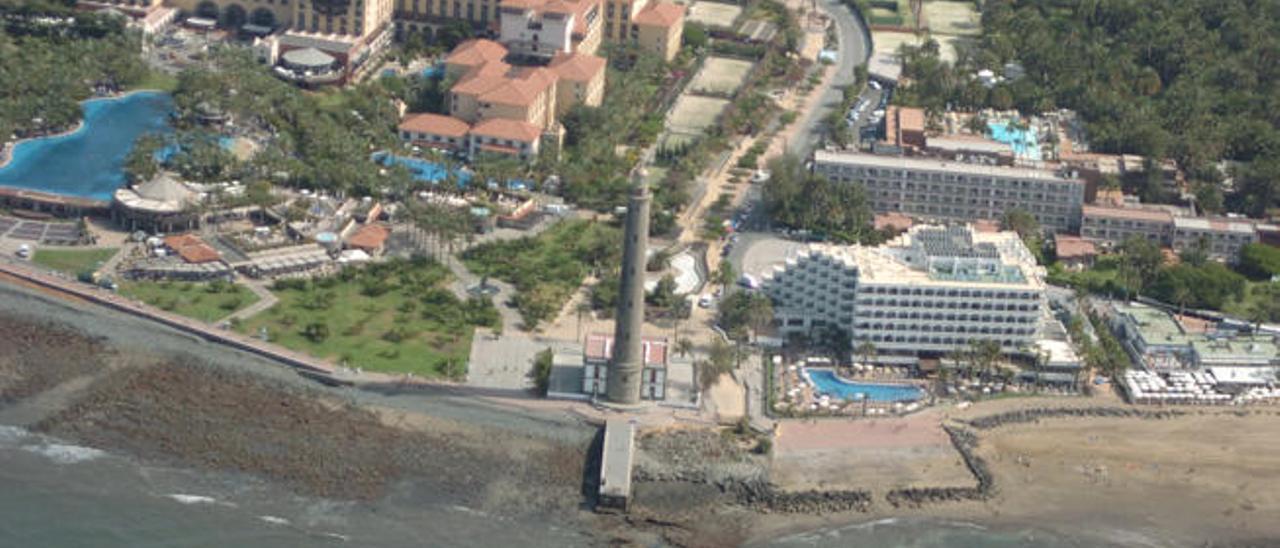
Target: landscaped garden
{"points": [[72, 261], [207, 302], [397, 316], [547, 269]]}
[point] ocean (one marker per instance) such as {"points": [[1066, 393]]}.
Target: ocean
{"points": [[928, 533], [54, 494]]}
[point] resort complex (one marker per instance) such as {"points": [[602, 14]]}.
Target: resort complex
{"points": [[926, 294], [503, 109], [732, 269], [330, 42]]}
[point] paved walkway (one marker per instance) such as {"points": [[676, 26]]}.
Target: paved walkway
{"points": [[266, 299]]}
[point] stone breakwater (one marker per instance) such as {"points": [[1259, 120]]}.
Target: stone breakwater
{"points": [[965, 442], [1024, 416], [763, 497]]}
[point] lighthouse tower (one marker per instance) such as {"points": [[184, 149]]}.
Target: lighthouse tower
{"points": [[626, 367]]}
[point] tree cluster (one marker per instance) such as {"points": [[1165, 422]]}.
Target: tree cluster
{"points": [[799, 199], [1197, 80], [52, 57]]}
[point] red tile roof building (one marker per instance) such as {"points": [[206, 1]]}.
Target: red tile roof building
{"points": [[369, 238], [192, 249], [498, 108]]}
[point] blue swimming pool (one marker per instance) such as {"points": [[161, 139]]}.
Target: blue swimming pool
{"points": [[1024, 142], [89, 163], [827, 383], [422, 170], [433, 71]]}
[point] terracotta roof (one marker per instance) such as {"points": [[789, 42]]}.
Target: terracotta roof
{"points": [[599, 348], [369, 237], [191, 248], [521, 87], [501, 128], [435, 124], [986, 225], [910, 119], [1073, 247], [476, 52], [578, 67], [1137, 214], [1113, 197], [660, 14]]}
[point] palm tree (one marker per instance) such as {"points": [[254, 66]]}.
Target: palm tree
{"points": [[866, 350], [759, 314], [684, 346], [724, 275], [1182, 295]]}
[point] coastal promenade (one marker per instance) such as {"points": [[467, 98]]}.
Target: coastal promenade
{"points": [[22, 275]]}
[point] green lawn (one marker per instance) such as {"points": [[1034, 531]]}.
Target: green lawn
{"points": [[547, 269], [208, 302], [72, 261], [395, 317], [158, 80]]}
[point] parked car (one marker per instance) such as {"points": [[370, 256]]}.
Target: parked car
{"points": [[24, 251], [704, 301], [875, 85]]}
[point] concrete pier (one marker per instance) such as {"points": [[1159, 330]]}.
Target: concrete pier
{"points": [[615, 465]]}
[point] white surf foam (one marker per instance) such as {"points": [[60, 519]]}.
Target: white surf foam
{"points": [[12, 434], [274, 520], [192, 499], [65, 454]]}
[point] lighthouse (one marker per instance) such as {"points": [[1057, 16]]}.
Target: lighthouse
{"points": [[626, 366]]}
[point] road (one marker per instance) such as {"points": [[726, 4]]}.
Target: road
{"points": [[855, 48]]}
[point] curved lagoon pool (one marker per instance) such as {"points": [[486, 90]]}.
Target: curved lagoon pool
{"points": [[828, 383], [89, 163]]}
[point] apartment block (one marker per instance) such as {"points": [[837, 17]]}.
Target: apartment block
{"points": [[1222, 238], [1114, 225], [939, 190], [926, 293]]}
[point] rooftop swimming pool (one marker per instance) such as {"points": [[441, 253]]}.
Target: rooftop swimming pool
{"points": [[1024, 142], [828, 383], [89, 163]]}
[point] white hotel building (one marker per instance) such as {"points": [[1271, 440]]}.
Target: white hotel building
{"points": [[930, 291], [932, 189]]}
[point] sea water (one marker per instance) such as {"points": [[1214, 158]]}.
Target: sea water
{"points": [[928, 533], [53, 493]]}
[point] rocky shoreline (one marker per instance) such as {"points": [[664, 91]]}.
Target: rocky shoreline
{"points": [[1024, 416]]}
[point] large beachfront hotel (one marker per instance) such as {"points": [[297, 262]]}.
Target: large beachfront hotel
{"points": [[941, 190], [928, 292]]}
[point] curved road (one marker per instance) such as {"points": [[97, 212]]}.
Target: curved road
{"points": [[855, 49]]}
